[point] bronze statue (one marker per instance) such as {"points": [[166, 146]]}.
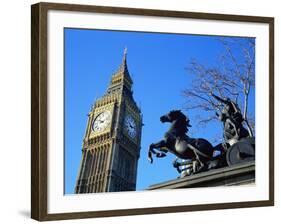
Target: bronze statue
{"points": [[232, 121], [239, 145], [177, 142], [195, 155]]}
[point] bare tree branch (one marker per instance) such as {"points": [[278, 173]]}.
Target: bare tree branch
{"points": [[233, 77]]}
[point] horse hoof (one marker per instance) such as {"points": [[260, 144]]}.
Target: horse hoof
{"points": [[150, 160], [160, 155]]}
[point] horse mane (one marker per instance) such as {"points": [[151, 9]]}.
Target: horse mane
{"points": [[181, 115], [178, 112]]}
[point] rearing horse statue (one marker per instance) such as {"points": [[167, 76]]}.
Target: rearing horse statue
{"points": [[177, 142]]}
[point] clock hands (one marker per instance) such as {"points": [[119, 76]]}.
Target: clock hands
{"points": [[102, 121], [131, 126]]}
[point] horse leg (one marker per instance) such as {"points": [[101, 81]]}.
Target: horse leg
{"points": [[157, 146], [202, 165]]}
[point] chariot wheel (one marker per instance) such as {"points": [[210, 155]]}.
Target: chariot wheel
{"points": [[242, 151]]}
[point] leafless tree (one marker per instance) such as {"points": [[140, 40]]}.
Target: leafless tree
{"points": [[233, 77]]}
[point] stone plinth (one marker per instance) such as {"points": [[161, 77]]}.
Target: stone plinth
{"points": [[240, 174]]}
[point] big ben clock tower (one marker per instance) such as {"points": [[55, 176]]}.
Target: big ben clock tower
{"points": [[111, 145]]}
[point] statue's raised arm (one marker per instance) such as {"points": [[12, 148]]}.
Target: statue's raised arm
{"points": [[231, 107], [224, 101]]}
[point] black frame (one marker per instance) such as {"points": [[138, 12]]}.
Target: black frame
{"points": [[39, 107]]}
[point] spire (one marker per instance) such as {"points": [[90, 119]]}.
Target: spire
{"points": [[124, 67], [121, 79]]}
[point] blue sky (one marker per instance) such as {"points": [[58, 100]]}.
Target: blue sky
{"points": [[157, 65]]}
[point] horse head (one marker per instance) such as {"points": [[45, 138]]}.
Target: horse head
{"points": [[175, 115]]}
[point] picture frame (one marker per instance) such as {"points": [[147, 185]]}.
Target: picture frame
{"points": [[40, 110]]}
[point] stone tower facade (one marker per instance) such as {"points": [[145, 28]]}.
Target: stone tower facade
{"points": [[111, 145]]}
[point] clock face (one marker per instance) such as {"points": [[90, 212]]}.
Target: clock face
{"points": [[102, 121], [130, 126]]}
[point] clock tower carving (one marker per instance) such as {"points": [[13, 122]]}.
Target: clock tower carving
{"points": [[111, 145]]}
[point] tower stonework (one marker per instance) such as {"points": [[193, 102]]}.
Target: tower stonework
{"points": [[111, 145]]}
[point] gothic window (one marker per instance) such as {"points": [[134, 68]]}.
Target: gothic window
{"points": [[87, 164]]}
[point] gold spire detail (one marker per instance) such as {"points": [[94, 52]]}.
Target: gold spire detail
{"points": [[122, 76]]}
